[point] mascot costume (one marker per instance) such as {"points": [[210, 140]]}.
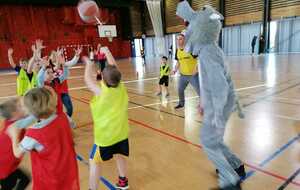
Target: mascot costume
{"points": [[218, 97]]}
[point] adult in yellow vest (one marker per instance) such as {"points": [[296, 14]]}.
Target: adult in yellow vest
{"points": [[25, 80], [188, 68]]}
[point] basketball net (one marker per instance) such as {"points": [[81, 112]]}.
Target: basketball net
{"points": [[110, 38]]}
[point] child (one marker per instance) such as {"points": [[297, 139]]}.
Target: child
{"points": [[10, 175], [164, 75], [49, 142], [48, 76], [100, 60], [109, 108], [91, 53], [24, 79], [59, 68]]}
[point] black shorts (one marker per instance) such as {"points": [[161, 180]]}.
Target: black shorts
{"points": [[101, 64], [107, 153], [164, 81]]}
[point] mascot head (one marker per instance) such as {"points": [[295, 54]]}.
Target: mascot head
{"points": [[204, 26]]}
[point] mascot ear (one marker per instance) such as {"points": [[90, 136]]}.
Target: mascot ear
{"points": [[185, 11], [216, 16]]}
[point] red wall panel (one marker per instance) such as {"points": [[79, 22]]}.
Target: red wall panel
{"points": [[20, 26]]}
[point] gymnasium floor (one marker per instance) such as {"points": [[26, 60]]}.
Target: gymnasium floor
{"points": [[164, 149]]}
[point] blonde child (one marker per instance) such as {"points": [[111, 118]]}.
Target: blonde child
{"points": [[49, 142]]}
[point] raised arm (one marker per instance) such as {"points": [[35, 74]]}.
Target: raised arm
{"points": [[75, 59], [36, 57], [42, 72], [33, 59], [110, 59], [90, 81], [41, 77], [10, 58]]}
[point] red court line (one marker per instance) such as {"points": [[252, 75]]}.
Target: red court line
{"points": [[198, 146], [271, 174]]}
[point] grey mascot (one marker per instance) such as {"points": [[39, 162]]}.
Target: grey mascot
{"points": [[218, 97]]}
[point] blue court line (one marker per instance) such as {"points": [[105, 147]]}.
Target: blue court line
{"points": [[273, 156], [104, 181], [107, 183]]}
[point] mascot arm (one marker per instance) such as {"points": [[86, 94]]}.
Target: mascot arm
{"points": [[219, 88]]}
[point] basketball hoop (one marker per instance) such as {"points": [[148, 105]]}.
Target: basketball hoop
{"points": [[107, 31]]}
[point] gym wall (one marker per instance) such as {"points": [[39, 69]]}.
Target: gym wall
{"points": [[21, 25]]}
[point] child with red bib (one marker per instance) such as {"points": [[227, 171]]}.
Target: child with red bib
{"points": [[49, 142], [10, 175], [59, 68]]}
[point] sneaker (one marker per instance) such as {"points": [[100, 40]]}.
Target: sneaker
{"points": [[168, 94], [122, 184], [240, 171], [158, 94], [229, 187], [178, 106]]}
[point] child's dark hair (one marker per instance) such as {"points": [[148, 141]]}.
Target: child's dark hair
{"points": [[164, 57], [111, 76], [8, 107]]}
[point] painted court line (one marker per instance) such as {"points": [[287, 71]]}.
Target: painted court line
{"points": [[276, 115], [250, 173], [104, 181], [290, 179], [194, 97], [198, 146], [275, 154], [251, 87], [132, 81]]}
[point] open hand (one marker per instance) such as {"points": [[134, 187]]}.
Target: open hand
{"points": [[39, 44], [78, 51]]}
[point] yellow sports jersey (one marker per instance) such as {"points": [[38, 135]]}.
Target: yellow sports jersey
{"points": [[187, 63], [164, 70], [110, 115], [23, 83]]}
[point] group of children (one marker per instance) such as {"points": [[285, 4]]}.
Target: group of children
{"points": [[35, 122]]}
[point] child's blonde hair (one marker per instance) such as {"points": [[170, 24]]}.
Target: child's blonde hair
{"points": [[8, 107], [41, 102]]}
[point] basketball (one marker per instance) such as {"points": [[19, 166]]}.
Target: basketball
{"points": [[88, 11]]}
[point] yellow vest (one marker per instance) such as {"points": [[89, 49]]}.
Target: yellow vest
{"points": [[164, 71], [23, 83], [110, 115], [187, 62]]}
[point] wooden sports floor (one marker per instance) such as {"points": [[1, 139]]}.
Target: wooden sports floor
{"points": [[164, 146]]}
